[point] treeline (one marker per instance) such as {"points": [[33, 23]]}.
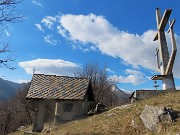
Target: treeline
{"points": [[16, 112]]}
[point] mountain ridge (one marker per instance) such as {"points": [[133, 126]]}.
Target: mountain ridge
{"points": [[120, 96], [8, 88]]}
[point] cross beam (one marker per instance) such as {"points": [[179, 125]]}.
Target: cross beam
{"points": [[174, 48], [163, 21]]}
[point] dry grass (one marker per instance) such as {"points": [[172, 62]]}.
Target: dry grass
{"points": [[117, 121]]}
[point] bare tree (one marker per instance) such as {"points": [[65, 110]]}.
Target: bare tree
{"points": [[6, 116], [16, 112], [8, 14], [27, 105], [100, 84]]}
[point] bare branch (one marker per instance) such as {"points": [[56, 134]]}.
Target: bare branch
{"points": [[8, 14]]}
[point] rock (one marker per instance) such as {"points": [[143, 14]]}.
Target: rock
{"points": [[151, 116], [98, 109], [29, 133], [168, 116], [109, 114], [91, 113], [133, 124], [22, 128]]}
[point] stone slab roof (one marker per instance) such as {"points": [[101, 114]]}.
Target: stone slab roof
{"points": [[58, 87]]}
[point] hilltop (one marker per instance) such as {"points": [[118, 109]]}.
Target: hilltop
{"points": [[8, 88], [117, 120]]}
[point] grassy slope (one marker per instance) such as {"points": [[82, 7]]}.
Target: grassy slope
{"points": [[117, 121]]}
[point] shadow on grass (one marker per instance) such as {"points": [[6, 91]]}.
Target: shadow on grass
{"points": [[177, 114]]}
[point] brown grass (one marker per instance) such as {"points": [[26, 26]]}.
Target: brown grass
{"points": [[117, 121]]}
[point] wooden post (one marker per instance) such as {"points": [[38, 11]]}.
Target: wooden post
{"points": [[56, 115]]}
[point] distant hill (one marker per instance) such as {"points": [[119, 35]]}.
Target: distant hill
{"points": [[8, 88], [120, 96]]}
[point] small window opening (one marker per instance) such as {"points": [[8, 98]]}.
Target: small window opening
{"points": [[68, 107]]}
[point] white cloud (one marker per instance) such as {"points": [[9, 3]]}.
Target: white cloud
{"points": [[37, 3], [109, 70], [7, 33], [127, 91], [50, 66], [148, 77], [48, 21], [92, 32], [3, 77], [21, 81], [39, 27], [49, 39], [97, 30], [62, 31], [133, 49], [178, 87], [51, 18], [134, 77]]}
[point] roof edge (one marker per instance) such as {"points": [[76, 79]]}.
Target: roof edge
{"points": [[62, 76]]}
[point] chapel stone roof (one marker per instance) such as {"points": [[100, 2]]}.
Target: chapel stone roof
{"points": [[58, 87]]}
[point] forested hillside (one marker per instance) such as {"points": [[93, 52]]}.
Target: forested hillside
{"points": [[8, 88]]}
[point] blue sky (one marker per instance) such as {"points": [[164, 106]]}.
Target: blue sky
{"points": [[60, 36]]}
